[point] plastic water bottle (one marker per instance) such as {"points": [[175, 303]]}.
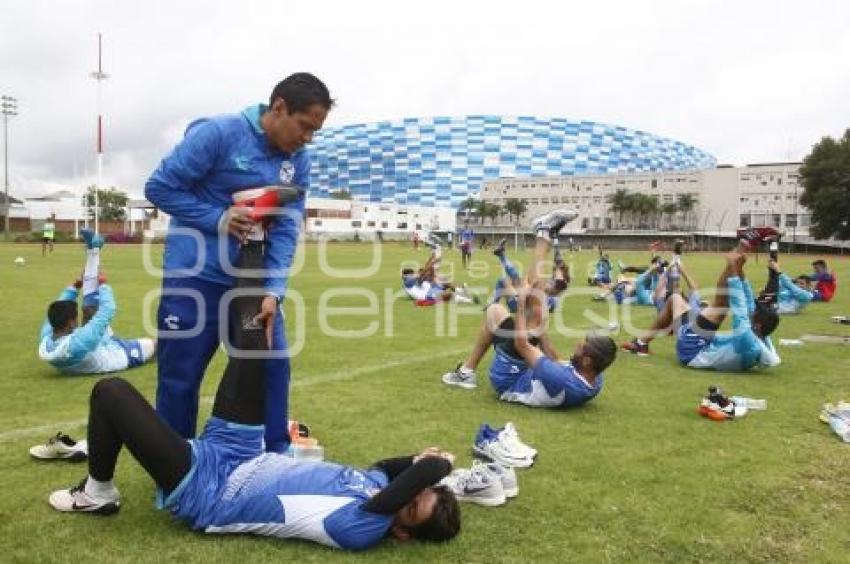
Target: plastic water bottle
{"points": [[791, 342], [750, 403]]}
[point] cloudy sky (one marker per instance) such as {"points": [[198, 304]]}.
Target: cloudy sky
{"points": [[748, 81]]}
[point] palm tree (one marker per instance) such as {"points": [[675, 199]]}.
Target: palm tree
{"points": [[686, 203], [492, 211], [467, 206], [515, 208], [618, 201], [481, 210], [669, 210]]}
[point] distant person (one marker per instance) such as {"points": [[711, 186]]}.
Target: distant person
{"points": [[90, 347], [825, 281], [48, 234], [467, 238]]}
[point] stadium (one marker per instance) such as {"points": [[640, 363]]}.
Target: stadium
{"points": [[441, 161]]}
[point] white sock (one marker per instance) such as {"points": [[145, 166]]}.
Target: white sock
{"points": [[100, 490], [465, 370], [91, 271], [638, 341]]}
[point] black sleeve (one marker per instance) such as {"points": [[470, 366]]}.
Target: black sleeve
{"points": [[427, 472], [392, 467]]}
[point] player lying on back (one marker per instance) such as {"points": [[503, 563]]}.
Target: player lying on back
{"points": [[225, 482], [90, 347], [506, 286]]}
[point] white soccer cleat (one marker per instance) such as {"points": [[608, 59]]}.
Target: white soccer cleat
{"points": [[550, 224], [61, 447], [76, 500], [510, 435], [461, 377], [476, 485]]}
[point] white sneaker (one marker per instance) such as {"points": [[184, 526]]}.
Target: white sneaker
{"points": [[552, 222], [76, 500], [507, 476], [477, 485], [464, 378], [510, 435], [61, 447], [497, 449]]}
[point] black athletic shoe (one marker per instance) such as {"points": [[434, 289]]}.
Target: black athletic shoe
{"points": [[499, 251]]}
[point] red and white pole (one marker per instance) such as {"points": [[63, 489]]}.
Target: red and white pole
{"points": [[99, 76]]}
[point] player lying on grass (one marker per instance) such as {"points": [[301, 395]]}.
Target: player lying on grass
{"points": [[90, 347], [526, 367], [506, 286], [697, 343], [427, 287], [602, 275], [639, 290], [225, 482], [789, 296]]}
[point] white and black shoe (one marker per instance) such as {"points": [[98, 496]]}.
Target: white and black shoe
{"points": [[506, 475], [61, 447], [510, 435], [461, 377], [550, 224], [476, 485], [76, 500]]}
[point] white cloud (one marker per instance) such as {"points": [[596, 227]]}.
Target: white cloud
{"points": [[748, 81]]}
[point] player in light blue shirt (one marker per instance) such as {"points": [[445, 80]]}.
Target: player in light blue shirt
{"points": [[89, 348], [698, 343], [224, 482]]}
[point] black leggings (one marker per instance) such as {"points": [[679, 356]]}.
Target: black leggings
{"points": [[119, 415]]}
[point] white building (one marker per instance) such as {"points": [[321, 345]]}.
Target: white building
{"points": [[345, 218], [727, 197]]}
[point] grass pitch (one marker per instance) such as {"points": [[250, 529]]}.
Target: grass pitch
{"points": [[635, 475]]}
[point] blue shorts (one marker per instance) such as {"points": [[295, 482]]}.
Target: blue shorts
{"points": [[689, 343], [135, 356], [547, 384], [602, 279]]}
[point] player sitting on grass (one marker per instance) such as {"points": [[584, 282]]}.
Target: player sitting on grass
{"points": [[696, 327], [506, 286], [526, 367], [825, 282], [225, 482], [89, 348], [602, 276], [789, 296], [640, 290]]}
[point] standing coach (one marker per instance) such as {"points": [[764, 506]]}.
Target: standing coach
{"points": [[218, 156]]}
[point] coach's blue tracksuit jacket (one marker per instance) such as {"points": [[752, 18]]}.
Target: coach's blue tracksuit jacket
{"points": [[194, 184]]}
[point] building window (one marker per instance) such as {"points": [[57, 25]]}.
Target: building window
{"points": [[370, 224], [317, 223], [401, 225], [584, 223], [791, 220], [759, 220], [655, 183], [356, 223], [776, 220], [745, 220], [384, 225], [805, 220]]}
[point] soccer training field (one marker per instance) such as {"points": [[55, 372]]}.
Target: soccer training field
{"points": [[635, 475]]}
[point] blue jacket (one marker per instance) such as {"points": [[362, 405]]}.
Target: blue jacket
{"points": [[195, 183]]}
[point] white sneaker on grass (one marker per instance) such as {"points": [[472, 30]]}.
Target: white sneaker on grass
{"points": [[476, 485], [507, 476], [496, 447], [61, 447], [461, 377], [76, 500], [510, 435]]}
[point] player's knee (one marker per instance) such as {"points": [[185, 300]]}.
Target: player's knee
{"points": [[108, 388]]}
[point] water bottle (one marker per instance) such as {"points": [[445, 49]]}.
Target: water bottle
{"points": [[791, 342], [750, 403]]}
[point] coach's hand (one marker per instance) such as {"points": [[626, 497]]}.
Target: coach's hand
{"points": [[268, 310], [239, 222]]}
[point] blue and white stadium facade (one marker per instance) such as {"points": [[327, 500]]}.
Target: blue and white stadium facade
{"points": [[441, 161]]}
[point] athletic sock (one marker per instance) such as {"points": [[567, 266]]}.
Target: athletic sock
{"points": [[90, 273], [640, 342], [102, 491]]}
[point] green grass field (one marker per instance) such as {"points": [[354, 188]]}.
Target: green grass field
{"points": [[636, 475]]}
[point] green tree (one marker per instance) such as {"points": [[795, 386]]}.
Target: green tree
{"points": [[515, 208], [340, 195], [492, 211], [112, 203], [618, 203], [686, 204], [825, 176], [668, 210]]}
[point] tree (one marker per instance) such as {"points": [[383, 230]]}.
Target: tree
{"points": [[340, 195], [481, 210], [825, 176], [112, 203], [668, 210], [686, 203], [619, 201], [492, 211], [515, 208]]}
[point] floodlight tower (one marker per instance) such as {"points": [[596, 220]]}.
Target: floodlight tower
{"points": [[99, 76], [8, 107]]}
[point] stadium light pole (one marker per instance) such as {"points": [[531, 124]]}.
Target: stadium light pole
{"points": [[9, 107], [99, 76]]}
